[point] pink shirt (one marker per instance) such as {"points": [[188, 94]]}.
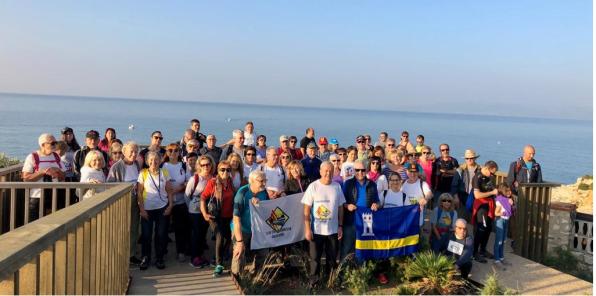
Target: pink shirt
{"points": [[427, 166]]}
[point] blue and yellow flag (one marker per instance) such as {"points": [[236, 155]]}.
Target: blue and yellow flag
{"points": [[387, 232]]}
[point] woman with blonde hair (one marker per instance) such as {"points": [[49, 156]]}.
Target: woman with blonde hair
{"points": [[92, 172], [217, 205], [237, 166], [115, 153], [204, 169], [296, 181], [393, 164]]}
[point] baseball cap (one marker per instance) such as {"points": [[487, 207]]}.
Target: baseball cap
{"points": [[311, 145], [322, 141], [283, 138], [333, 141]]}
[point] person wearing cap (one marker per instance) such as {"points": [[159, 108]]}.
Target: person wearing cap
{"points": [[416, 190], [155, 146], [284, 146], [463, 178], [323, 152], [382, 139], [91, 143], [43, 165], [333, 145], [524, 170], [72, 145], [308, 138], [362, 149], [412, 160], [311, 163], [444, 169]]}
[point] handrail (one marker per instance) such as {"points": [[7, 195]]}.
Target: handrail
{"points": [[11, 173], [80, 220]]}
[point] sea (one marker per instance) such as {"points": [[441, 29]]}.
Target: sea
{"points": [[563, 146]]}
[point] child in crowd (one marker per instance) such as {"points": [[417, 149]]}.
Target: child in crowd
{"points": [[442, 221], [503, 212]]}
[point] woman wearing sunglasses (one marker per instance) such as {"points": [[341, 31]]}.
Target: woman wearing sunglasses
{"points": [[426, 162], [178, 177], [442, 221], [205, 166], [217, 204]]}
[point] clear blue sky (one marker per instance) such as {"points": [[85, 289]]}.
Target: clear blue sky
{"points": [[523, 58]]}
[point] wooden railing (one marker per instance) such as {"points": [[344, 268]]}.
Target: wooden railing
{"points": [[14, 199], [82, 249], [11, 173]]}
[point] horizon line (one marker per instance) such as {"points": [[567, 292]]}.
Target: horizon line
{"points": [[292, 106]]}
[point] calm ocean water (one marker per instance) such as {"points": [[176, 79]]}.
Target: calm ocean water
{"points": [[23, 118]]}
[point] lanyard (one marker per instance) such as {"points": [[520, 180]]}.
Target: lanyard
{"points": [[158, 185]]}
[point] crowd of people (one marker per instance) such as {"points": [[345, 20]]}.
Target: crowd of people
{"points": [[194, 184]]}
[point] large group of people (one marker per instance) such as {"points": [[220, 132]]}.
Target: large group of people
{"points": [[193, 184]]}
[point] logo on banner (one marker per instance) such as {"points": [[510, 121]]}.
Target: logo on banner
{"points": [[367, 224], [277, 219]]}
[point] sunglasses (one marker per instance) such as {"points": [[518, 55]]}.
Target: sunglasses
{"points": [[374, 162], [117, 152], [341, 154], [359, 142], [205, 165], [292, 141], [390, 145], [470, 158], [52, 143], [173, 150], [335, 160], [443, 150], [250, 154], [284, 157], [446, 201], [158, 138], [359, 170], [226, 170], [425, 152]]}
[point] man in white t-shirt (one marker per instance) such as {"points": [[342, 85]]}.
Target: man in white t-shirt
{"points": [[276, 176], [323, 203], [44, 165], [416, 190]]}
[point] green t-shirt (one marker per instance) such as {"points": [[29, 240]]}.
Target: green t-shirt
{"points": [[242, 205]]}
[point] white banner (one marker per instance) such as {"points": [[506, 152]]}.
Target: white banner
{"points": [[277, 222]]}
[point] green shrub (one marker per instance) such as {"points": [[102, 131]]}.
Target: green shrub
{"points": [[584, 186], [587, 177], [6, 161], [405, 289], [357, 278], [563, 260], [433, 274], [493, 287]]}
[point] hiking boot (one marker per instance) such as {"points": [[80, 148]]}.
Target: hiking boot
{"points": [[160, 264], [382, 278], [144, 263], [134, 260]]}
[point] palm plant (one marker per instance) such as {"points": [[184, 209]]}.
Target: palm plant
{"points": [[432, 273]]}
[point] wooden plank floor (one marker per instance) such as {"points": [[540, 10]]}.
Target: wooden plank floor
{"points": [[180, 278]]}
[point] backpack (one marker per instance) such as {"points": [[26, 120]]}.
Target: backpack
{"points": [[37, 161], [196, 179], [470, 201], [403, 202]]}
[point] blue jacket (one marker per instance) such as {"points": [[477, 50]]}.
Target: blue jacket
{"points": [[311, 168], [351, 195]]}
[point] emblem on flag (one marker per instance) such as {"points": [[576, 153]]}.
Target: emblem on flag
{"points": [[277, 219]]}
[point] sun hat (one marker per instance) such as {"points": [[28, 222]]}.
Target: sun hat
{"points": [[469, 153]]}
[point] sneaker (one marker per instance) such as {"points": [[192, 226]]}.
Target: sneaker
{"points": [[134, 260], [181, 257], [382, 278], [500, 265], [159, 264], [218, 270], [144, 263], [507, 263], [196, 262]]}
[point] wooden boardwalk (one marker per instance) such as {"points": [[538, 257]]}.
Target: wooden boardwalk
{"points": [[181, 278]]}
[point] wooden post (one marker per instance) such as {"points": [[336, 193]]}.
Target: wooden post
{"points": [[13, 208], [92, 254], [54, 199], [46, 271], [28, 278], [60, 267], [71, 261], [86, 256], [7, 285]]}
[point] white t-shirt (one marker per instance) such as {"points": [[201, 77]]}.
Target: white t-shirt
{"points": [[131, 173], [44, 163], [249, 138], [324, 200], [275, 177], [393, 199], [414, 194], [236, 181], [249, 168], [154, 189], [87, 175], [382, 184], [177, 178], [347, 170], [194, 202]]}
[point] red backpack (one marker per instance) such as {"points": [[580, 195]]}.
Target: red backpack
{"points": [[37, 161]]}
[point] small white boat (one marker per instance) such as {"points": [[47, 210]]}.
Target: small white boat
{"points": [[131, 127]]}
